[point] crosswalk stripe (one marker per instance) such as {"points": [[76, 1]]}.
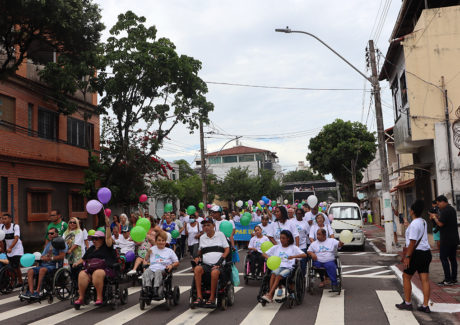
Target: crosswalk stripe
{"points": [[134, 311], [71, 312], [388, 299], [364, 269], [331, 301], [8, 300], [193, 316], [262, 315], [24, 309]]}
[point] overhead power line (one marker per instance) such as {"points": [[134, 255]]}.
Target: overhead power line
{"points": [[281, 87]]}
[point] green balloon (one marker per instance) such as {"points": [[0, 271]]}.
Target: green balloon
{"points": [[191, 210], [266, 245], [101, 229], [168, 207], [91, 232], [273, 203], [201, 205], [175, 233], [273, 262], [226, 227], [138, 234], [144, 223], [299, 205], [246, 203], [246, 219]]}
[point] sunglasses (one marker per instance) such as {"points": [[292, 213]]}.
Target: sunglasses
{"points": [[96, 238], [72, 222], [51, 233], [52, 215]]}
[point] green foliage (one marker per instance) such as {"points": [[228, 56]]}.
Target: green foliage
{"points": [[185, 171], [302, 176], [336, 145]]}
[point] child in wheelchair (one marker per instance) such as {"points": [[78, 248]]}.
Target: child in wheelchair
{"points": [[288, 252], [255, 257]]}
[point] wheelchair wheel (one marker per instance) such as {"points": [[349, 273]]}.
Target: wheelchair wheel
{"points": [[50, 298], [192, 296], [310, 274], [8, 279], [124, 297], [230, 295], [62, 284], [141, 304], [223, 303], [299, 286], [246, 275], [339, 276], [176, 295]]}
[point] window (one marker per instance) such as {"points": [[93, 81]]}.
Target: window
{"points": [[47, 124], [345, 213], [259, 157], [30, 119], [215, 160], [230, 159], [38, 204], [402, 85], [4, 194], [244, 158], [76, 134], [394, 91], [77, 203], [7, 112], [42, 52]]}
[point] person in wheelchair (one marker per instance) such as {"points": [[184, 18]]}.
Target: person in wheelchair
{"points": [[255, 257], [288, 252], [51, 259], [213, 249], [323, 252], [98, 263]]}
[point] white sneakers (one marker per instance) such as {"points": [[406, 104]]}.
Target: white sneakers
{"points": [[132, 272]]}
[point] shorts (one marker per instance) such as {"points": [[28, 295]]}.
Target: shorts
{"points": [[207, 268], [283, 271], [48, 267], [14, 261], [420, 262]]}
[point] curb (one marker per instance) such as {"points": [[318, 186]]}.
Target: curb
{"points": [[418, 296], [378, 251]]}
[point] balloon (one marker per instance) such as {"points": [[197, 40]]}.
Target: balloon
{"points": [[246, 203], [104, 195], [2, 235], [201, 205], [175, 233], [266, 245], [143, 198], [254, 209], [262, 202], [246, 219], [312, 201], [138, 234], [286, 201], [346, 236], [209, 206], [273, 262], [320, 209], [191, 210], [273, 203], [168, 207], [288, 206], [250, 202], [108, 212], [299, 205], [331, 217], [266, 200], [239, 203], [226, 227], [37, 256], [101, 229], [91, 232], [303, 202], [270, 208], [269, 202], [93, 206], [144, 223], [27, 260], [129, 256]]}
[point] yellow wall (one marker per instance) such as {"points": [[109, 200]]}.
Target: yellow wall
{"points": [[432, 51]]}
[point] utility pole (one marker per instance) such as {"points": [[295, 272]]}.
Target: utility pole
{"points": [[387, 211], [204, 186]]}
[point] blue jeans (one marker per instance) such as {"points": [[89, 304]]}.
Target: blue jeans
{"points": [[303, 261], [283, 271], [330, 270]]}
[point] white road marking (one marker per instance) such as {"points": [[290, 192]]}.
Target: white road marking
{"points": [[262, 315], [366, 276], [71, 312], [182, 271], [331, 308], [190, 274], [8, 300], [134, 311], [363, 270], [388, 299], [25, 309], [193, 316], [378, 273]]}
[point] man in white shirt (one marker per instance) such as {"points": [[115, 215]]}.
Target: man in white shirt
{"points": [[213, 250], [323, 251], [310, 217]]}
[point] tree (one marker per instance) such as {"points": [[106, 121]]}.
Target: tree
{"points": [[341, 147], [185, 170], [303, 175]]}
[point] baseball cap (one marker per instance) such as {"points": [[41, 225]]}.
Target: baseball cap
{"points": [[215, 208], [207, 220], [97, 234]]}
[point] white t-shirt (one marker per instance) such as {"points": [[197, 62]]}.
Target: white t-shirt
{"points": [[115, 241], [324, 250], [310, 216], [218, 222], [161, 258], [277, 227], [256, 242], [218, 239], [236, 218], [79, 241], [184, 220], [125, 244], [284, 253], [314, 229], [256, 217], [192, 232], [18, 249], [418, 229], [266, 230], [304, 230], [199, 219]]}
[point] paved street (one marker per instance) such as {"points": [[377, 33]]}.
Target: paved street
{"points": [[370, 292]]}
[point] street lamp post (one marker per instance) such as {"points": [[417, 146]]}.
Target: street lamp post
{"points": [[387, 211]]}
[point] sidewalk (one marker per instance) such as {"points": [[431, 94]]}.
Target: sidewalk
{"points": [[443, 299]]}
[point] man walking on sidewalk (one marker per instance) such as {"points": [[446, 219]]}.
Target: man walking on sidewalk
{"points": [[448, 228]]}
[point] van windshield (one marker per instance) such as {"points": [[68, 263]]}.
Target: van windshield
{"points": [[345, 213]]}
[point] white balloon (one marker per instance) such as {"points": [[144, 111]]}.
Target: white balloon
{"points": [[38, 256], [286, 201], [2, 235], [168, 240], [239, 204], [312, 201], [346, 236]]}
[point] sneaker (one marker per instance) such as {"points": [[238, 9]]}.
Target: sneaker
{"points": [[424, 309], [279, 293], [454, 282], [132, 272], [35, 295], [444, 283], [404, 306], [335, 288], [28, 293]]}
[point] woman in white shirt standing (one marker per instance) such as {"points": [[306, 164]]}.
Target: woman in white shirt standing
{"points": [[193, 232], [282, 223], [417, 258]]}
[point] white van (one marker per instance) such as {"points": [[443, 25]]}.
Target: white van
{"points": [[347, 215]]}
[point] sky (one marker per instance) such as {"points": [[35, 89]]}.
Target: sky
{"points": [[237, 44]]}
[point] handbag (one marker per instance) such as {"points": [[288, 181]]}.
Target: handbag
{"points": [[418, 242], [235, 276], [94, 264], [235, 256]]}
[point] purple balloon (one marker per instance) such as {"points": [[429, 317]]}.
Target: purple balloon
{"points": [[104, 195], [129, 256], [250, 202], [93, 206]]}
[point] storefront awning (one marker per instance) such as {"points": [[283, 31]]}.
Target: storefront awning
{"points": [[403, 184], [424, 167]]}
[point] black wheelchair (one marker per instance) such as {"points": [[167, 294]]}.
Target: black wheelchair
{"points": [[317, 272], [247, 270], [225, 291], [170, 294], [294, 284], [8, 279], [57, 282]]}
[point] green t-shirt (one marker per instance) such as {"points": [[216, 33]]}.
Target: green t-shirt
{"points": [[61, 227]]}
